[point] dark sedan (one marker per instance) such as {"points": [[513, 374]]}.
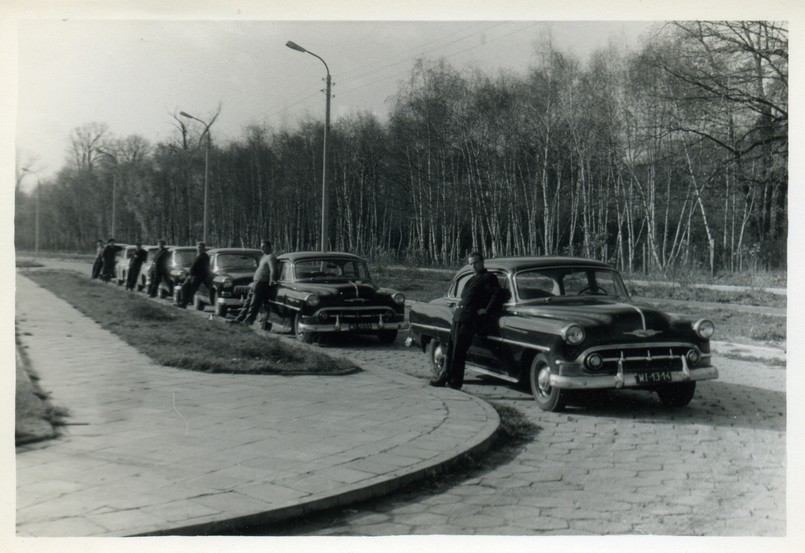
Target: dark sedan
{"points": [[232, 274], [571, 325], [332, 293]]}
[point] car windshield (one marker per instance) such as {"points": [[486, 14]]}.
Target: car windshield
{"points": [[558, 282], [228, 261], [184, 257], [331, 269]]}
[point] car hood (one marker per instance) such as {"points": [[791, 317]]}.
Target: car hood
{"points": [[341, 289], [609, 313]]}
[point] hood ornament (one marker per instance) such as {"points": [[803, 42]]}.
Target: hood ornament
{"points": [[644, 333]]}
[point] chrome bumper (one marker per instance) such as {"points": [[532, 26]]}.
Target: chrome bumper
{"points": [[230, 302], [345, 327], [628, 380]]}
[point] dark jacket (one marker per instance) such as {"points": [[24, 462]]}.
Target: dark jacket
{"points": [[160, 263], [482, 291], [138, 258], [200, 268]]}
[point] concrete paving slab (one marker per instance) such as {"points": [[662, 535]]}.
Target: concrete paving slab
{"points": [[154, 450]]}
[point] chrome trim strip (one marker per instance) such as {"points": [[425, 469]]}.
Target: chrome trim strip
{"points": [[516, 343], [430, 327], [475, 368]]}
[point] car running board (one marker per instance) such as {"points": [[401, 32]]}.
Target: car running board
{"points": [[478, 369]]}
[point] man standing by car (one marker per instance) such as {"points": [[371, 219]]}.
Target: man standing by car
{"points": [[108, 255], [135, 264], [482, 295], [160, 268], [98, 264], [265, 278], [198, 273]]}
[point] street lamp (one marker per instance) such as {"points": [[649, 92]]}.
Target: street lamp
{"points": [[206, 166], [324, 209], [36, 216], [114, 191]]}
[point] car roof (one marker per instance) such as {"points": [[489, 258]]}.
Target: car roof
{"points": [[234, 250], [299, 256], [514, 264], [183, 248]]}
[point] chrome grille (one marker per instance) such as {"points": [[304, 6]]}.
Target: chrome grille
{"points": [[636, 359]]}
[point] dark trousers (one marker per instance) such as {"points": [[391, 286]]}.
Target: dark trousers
{"points": [[96, 267], [159, 275], [261, 292], [461, 335], [188, 289], [132, 276]]}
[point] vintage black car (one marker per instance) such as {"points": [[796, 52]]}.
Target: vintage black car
{"points": [[232, 274], [571, 325], [330, 293], [179, 260]]}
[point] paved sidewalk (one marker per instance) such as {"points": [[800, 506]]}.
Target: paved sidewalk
{"points": [[153, 450]]}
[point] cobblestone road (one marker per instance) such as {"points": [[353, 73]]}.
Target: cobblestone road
{"points": [[620, 464]]}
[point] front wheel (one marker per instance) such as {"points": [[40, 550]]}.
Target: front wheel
{"points": [[547, 397], [437, 355], [302, 336], [676, 395]]}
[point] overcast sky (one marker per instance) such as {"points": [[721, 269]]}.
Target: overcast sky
{"points": [[133, 74]]}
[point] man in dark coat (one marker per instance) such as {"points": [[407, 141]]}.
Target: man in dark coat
{"points": [[109, 255], [98, 263], [481, 297], [198, 273], [135, 264], [160, 270]]}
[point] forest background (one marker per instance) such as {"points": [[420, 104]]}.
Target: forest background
{"points": [[673, 157]]}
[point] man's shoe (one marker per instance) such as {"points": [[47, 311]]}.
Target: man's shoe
{"points": [[454, 387], [437, 382]]}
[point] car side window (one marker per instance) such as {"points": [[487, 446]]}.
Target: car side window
{"points": [[534, 285], [458, 286], [284, 271]]}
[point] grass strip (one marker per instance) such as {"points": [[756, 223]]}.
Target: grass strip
{"points": [[178, 338]]}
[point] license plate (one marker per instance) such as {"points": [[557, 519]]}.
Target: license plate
{"points": [[653, 377], [360, 326]]}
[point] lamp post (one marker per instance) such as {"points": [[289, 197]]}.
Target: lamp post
{"points": [[324, 202], [206, 167], [113, 228]]}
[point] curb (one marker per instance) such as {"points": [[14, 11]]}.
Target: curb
{"points": [[344, 498]]}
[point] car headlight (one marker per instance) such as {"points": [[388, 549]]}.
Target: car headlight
{"points": [[312, 300], [573, 334], [398, 298], [704, 328], [227, 283]]}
